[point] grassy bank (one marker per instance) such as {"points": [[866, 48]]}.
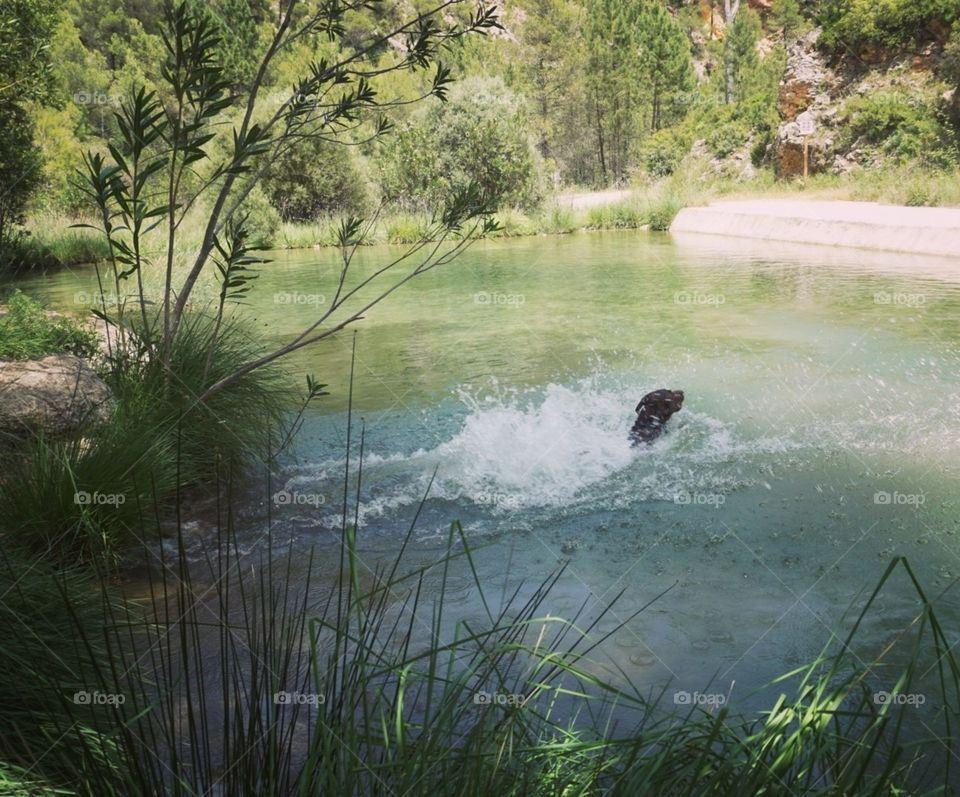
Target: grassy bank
{"points": [[53, 241]]}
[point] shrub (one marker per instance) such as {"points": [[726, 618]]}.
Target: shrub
{"points": [[479, 136], [315, 179], [902, 128], [232, 427], [663, 152], [727, 138], [20, 168], [892, 23], [159, 438], [27, 332], [662, 212], [263, 220]]}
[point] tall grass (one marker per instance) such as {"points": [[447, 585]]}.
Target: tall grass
{"points": [[51, 241], [235, 681], [87, 496]]}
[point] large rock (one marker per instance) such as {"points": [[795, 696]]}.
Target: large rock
{"points": [[54, 395], [806, 89]]}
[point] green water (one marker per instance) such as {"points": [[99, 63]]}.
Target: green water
{"points": [[820, 435]]}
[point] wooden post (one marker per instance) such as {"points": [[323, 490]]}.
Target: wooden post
{"points": [[807, 127]]}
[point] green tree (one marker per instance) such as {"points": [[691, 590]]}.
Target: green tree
{"points": [[235, 22], [164, 161], [315, 179], [892, 23], [664, 61], [551, 61], [20, 170], [480, 136], [740, 54], [613, 69], [25, 30], [787, 18]]}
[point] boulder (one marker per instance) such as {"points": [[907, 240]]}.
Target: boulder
{"points": [[54, 395], [806, 89]]}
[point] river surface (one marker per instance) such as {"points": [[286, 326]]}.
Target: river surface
{"points": [[820, 437]]}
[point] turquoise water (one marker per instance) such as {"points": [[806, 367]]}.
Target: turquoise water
{"points": [[820, 437]]}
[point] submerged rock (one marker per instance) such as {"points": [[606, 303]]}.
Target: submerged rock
{"points": [[54, 395]]}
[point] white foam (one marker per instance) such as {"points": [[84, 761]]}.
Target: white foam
{"points": [[559, 447]]}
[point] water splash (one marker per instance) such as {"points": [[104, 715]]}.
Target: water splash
{"points": [[558, 449]]}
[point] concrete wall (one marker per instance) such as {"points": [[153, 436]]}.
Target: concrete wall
{"points": [[865, 225]]}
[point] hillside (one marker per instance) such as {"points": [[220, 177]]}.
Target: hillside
{"points": [[562, 96]]}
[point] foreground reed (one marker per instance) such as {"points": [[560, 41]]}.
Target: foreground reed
{"points": [[231, 680]]}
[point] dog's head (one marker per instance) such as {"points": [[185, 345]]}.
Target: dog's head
{"points": [[660, 405]]}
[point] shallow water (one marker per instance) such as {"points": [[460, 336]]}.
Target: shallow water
{"points": [[819, 439]]}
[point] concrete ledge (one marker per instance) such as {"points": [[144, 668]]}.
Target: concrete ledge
{"points": [[864, 225]]}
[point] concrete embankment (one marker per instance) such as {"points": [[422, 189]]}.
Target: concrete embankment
{"points": [[865, 225]]}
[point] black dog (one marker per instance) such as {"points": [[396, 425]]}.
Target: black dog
{"points": [[653, 411]]}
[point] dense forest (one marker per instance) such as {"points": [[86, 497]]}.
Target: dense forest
{"points": [[563, 93]]}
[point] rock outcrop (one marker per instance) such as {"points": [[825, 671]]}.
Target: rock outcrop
{"points": [[805, 94], [55, 395]]}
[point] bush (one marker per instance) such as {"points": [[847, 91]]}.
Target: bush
{"points": [[664, 151], [901, 127], [54, 646], [480, 135], [20, 168], [892, 23], [314, 179], [231, 428], [662, 212], [263, 220], [159, 438], [27, 332], [725, 139]]}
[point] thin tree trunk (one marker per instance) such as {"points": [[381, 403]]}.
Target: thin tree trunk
{"points": [[603, 159], [730, 10]]}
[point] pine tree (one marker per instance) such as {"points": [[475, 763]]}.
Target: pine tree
{"points": [[614, 67], [740, 53], [664, 59]]}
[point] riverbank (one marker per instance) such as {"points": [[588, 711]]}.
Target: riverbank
{"points": [[864, 225], [56, 241]]}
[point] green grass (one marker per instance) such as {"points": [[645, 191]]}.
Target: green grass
{"points": [[54, 643], [28, 332], [50, 241], [653, 205], [158, 438], [388, 677]]}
